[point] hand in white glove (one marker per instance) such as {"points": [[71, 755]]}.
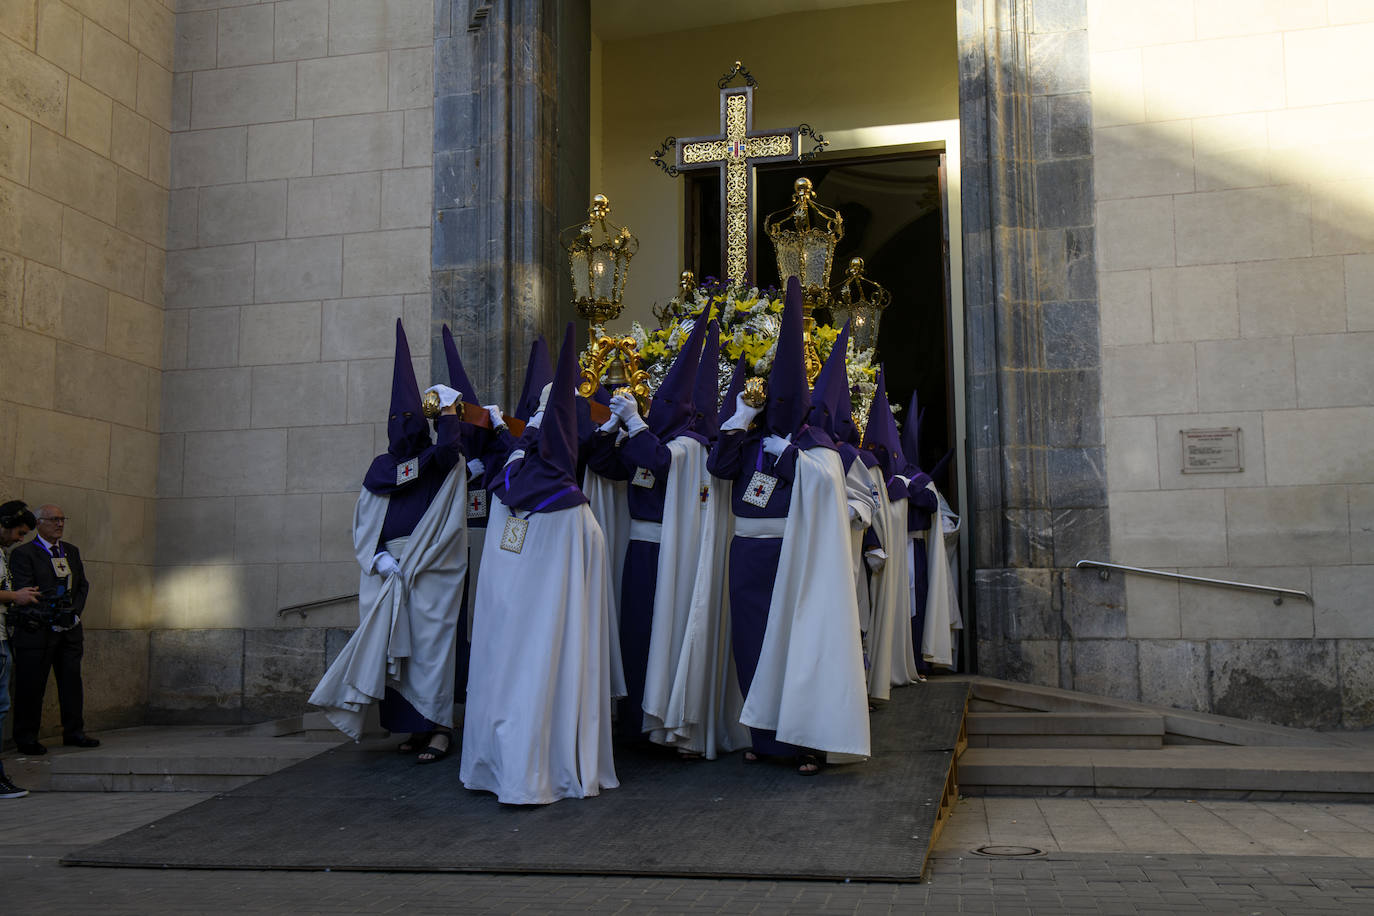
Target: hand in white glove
{"points": [[535, 420], [498, 419], [876, 559], [610, 425], [447, 396], [776, 445], [385, 564], [743, 416], [476, 467], [626, 409]]}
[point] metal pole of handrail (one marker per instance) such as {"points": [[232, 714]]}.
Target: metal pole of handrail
{"points": [[306, 605], [1105, 570]]}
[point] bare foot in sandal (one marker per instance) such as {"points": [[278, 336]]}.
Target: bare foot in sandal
{"points": [[438, 748]]}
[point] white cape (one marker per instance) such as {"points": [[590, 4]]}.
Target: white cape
{"points": [[942, 595], [537, 726], [408, 622], [891, 656], [691, 693], [611, 509], [809, 686], [863, 501]]}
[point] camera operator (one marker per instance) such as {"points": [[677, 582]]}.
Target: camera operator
{"points": [[47, 636], [16, 521]]}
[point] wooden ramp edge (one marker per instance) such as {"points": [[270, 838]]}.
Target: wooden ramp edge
{"points": [[949, 796]]}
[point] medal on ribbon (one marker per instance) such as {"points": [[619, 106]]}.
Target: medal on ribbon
{"points": [[513, 536]]}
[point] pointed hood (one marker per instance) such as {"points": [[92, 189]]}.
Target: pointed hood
{"points": [[407, 430], [707, 388], [670, 409], [727, 406], [831, 395], [789, 397], [883, 440], [545, 480], [538, 373], [457, 378]]}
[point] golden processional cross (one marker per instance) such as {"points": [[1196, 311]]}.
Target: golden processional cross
{"points": [[734, 153]]}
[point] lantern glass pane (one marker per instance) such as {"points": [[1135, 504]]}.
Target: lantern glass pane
{"points": [[816, 259], [581, 285], [602, 274]]}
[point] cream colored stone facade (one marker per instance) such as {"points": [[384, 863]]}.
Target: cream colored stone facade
{"points": [[1234, 204], [298, 231], [84, 171]]}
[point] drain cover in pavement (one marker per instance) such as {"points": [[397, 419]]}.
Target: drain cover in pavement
{"points": [[1008, 851]]}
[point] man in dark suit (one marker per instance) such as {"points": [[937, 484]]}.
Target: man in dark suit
{"points": [[51, 639]]}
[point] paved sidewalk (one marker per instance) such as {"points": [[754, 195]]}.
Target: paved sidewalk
{"points": [[1141, 875]]}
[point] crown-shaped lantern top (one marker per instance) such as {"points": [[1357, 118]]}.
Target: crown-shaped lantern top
{"points": [[600, 266], [860, 301], [804, 236]]}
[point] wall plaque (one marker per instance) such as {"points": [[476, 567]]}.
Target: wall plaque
{"points": [[1212, 451]]}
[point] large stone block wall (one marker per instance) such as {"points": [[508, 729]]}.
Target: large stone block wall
{"points": [[298, 231], [85, 112], [1234, 196]]}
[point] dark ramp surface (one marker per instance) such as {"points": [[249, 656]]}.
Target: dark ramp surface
{"points": [[363, 807]]}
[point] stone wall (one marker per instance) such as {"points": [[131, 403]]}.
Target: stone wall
{"points": [[86, 109], [1235, 196], [298, 231]]}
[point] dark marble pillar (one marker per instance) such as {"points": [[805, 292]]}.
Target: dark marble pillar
{"points": [[510, 130], [1032, 345]]}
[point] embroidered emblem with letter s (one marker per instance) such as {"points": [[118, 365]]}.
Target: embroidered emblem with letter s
{"points": [[513, 537], [407, 471]]}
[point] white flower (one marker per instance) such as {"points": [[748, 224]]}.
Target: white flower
{"points": [[638, 333]]}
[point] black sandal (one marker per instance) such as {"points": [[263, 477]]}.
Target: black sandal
{"points": [[415, 743], [810, 765], [433, 753]]}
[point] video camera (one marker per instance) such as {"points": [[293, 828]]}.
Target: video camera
{"points": [[51, 610]]}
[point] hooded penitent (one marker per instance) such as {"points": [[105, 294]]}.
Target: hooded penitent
{"points": [[670, 409], [882, 439], [537, 375], [832, 386], [704, 422], [407, 430], [789, 397], [911, 443], [545, 480]]}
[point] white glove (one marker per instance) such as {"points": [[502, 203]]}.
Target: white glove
{"points": [[498, 419], [447, 395], [859, 516], [385, 564], [535, 420], [610, 425], [743, 416], [876, 559], [476, 466], [626, 409], [776, 445]]}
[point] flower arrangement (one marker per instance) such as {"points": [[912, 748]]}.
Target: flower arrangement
{"points": [[749, 319]]}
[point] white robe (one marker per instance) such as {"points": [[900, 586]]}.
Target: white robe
{"points": [[892, 658], [692, 698], [408, 622], [861, 497], [942, 595], [537, 726], [809, 686], [611, 510]]}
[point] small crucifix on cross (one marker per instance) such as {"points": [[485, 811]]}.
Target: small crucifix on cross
{"points": [[734, 153]]}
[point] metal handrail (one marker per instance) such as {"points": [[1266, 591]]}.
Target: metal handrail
{"points": [[1105, 571], [306, 605]]}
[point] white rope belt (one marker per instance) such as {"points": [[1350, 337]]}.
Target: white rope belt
{"points": [[759, 527], [644, 530]]}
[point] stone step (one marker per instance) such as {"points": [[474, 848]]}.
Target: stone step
{"points": [[1293, 773], [1067, 730], [186, 759]]}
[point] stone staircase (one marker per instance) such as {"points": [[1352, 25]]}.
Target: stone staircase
{"points": [[1037, 741]]}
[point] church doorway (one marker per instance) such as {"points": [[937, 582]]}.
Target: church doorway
{"points": [[894, 216]]}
